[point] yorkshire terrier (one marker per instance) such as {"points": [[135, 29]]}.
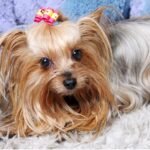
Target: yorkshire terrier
{"points": [[72, 75]]}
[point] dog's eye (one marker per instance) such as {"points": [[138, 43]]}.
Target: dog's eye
{"points": [[76, 54], [45, 62]]}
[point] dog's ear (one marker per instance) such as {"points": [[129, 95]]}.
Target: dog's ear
{"points": [[97, 14], [12, 40], [92, 33], [10, 43]]}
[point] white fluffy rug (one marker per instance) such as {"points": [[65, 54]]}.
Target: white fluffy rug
{"points": [[130, 131]]}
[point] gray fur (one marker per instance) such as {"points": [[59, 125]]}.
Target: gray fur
{"points": [[130, 74]]}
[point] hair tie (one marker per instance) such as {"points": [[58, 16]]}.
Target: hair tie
{"points": [[47, 15]]}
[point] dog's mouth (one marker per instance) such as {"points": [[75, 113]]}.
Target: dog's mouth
{"points": [[72, 102]]}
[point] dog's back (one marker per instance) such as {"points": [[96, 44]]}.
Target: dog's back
{"points": [[130, 75]]}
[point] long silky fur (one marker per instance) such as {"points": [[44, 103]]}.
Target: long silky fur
{"points": [[114, 73], [130, 75], [34, 95]]}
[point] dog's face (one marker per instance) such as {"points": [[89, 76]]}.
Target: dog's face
{"points": [[57, 77], [60, 57]]}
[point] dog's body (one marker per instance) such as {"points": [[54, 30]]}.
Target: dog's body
{"points": [[130, 75], [72, 75]]}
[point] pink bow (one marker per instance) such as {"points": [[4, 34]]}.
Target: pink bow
{"points": [[47, 15]]}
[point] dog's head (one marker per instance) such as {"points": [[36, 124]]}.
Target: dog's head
{"points": [[56, 77]]}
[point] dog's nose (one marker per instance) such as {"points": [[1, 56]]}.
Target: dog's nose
{"points": [[70, 83]]}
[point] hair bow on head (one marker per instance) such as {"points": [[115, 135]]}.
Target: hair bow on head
{"points": [[47, 15]]}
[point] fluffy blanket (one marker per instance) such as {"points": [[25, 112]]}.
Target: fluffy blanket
{"points": [[127, 131]]}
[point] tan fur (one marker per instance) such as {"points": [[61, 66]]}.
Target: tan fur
{"points": [[35, 95]]}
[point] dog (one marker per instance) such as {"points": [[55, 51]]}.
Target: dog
{"points": [[73, 75]]}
